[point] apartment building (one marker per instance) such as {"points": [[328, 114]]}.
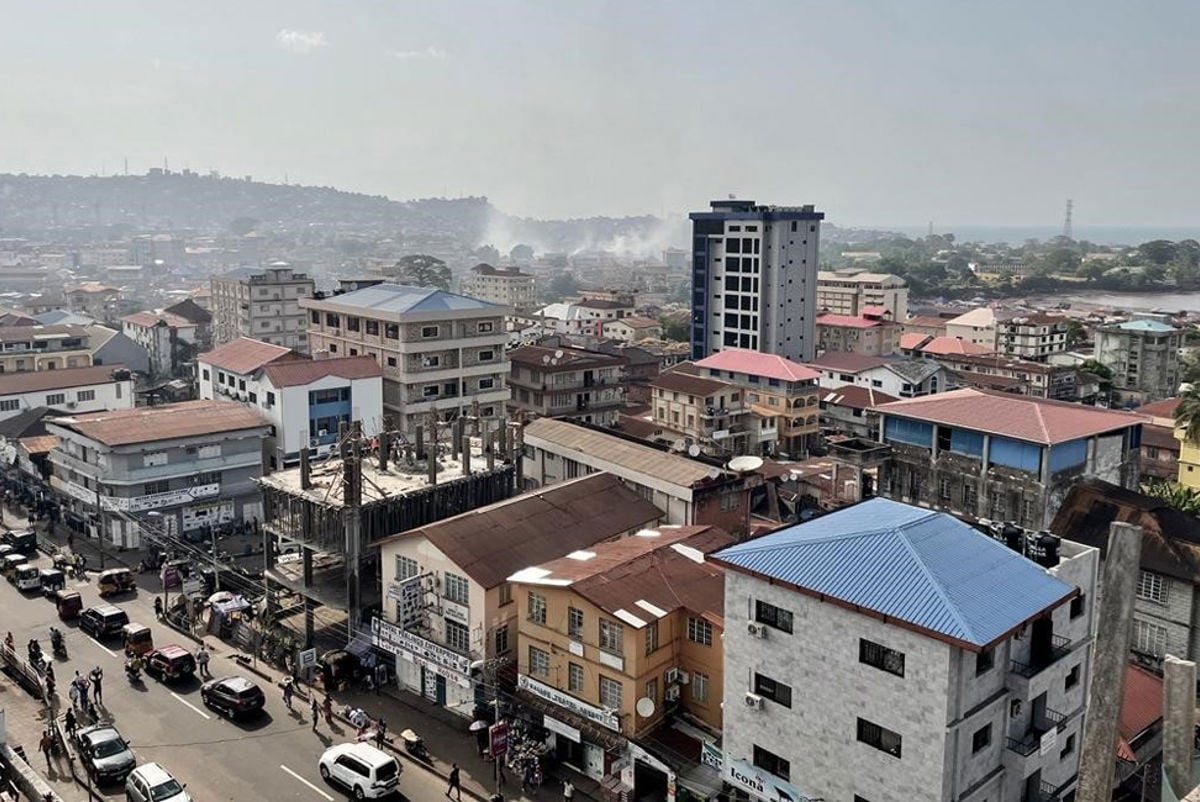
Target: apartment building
{"points": [[67, 391], [191, 465], [865, 661], [709, 414], [1143, 355], [1000, 456], [1035, 336], [1016, 375], [866, 334], [30, 348], [262, 303], [450, 601], [977, 326], [169, 340], [619, 639], [852, 290], [506, 286], [438, 350], [903, 378], [95, 299], [305, 400], [567, 382], [631, 329], [754, 278]]}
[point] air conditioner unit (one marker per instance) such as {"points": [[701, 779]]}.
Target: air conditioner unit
{"points": [[671, 677], [71, 405], [314, 442], [671, 694], [322, 432], [684, 677], [753, 700], [756, 629]]}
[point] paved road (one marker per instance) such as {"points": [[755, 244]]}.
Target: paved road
{"points": [[271, 758]]}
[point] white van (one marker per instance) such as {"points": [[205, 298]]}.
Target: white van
{"points": [[362, 769], [27, 577]]}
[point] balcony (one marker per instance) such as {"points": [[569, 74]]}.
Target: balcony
{"points": [[1043, 792], [1041, 659], [1042, 722]]}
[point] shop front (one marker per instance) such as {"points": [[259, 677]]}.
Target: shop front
{"points": [[582, 736], [750, 782], [440, 674]]}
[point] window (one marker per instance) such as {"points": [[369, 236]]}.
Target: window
{"points": [[56, 398], [652, 637], [879, 737], [154, 459], [161, 486], [487, 384], [431, 361], [771, 689], [699, 631], [772, 616], [652, 690], [458, 589], [1149, 638], [211, 451], [391, 361], [539, 662], [574, 677], [351, 323], [982, 738], [699, 687], [429, 331], [984, 661], [610, 693], [1072, 678], [772, 763], [883, 658], [574, 623], [429, 391], [207, 478], [391, 331], [372, 327], [487, 356], [270, 400], [612, 636], [406, 568], [85, 395], [505, 594], [332, 320], [1068, 747], [1077, 606], [486, 327], [315, 317], [1152, 587], [537, 608], [458, 637], [9, 405]]}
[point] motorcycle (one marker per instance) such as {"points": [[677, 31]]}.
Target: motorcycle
{"points": [[415, 745], [58, 644], [133, 673]]}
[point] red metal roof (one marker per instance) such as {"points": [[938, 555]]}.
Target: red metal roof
{"points": [[855, 397], [847, 362], [915, 340], [244, 355], [756, 363], [294, 372], [1141, 707], [847, 321], [1161, 409], [167, 422], [35, 381], [1036, 420], [149, 319], [681, 382]]}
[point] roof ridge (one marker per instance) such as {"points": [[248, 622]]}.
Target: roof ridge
{"points": [[925, 572]]}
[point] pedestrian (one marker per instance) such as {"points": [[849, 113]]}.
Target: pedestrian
{"points": [[316, 710], [69, 722], [71, 541], [327, 707], [454, 782], [46, 745], [158, 606], [97, 686], [74, 694], [380, 676], [380, 732], [568, 791], [202, 660], [287, 692]]}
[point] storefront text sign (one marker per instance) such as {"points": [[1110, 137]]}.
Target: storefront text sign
{"points": [[604, 718], [565, 730], [712, 756], [762, 785], [389, 637]]}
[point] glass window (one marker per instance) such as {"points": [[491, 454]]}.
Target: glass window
{"points": [[429, 331], [539, 662], [575, 678], [699, 687], [406, 567], [652, 637], [699, 631], [458, 637], [881, 657], [372, 327], [652, 690], [879, 737], [772, 689], [1149, 638], [86, 395], [502, 639], [537, 608], [574, 623], [1152, 587], [56, 398], [610, 693], [982, 738], [612, 637], [505, 594], [772, 763], [772, 616], [984, 661], [458, 589]]}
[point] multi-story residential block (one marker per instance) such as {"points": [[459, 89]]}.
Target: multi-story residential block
{"points": [[1000, 456], [29, 348], [914, 344], [930, 325], [978, 327], [567, 382], [67, 391], [616, 641], [709, 414], [506, 286], [452, 599], [170, 340], [1158, 457], [866, 659], [687, 491], [903, 378], [1189, 459], [98, 301], [851, 410], [305, 400], [200, 317], [754, 279], [438, 350], [631, 329], [866, 334], [262, 303], [1143, 355], [778, 391], [1038, 379], [851, 291], [1034, 336], [192, 464]]}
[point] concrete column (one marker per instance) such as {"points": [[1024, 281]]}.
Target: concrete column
{"points": [[1179, 720], [1109, 657]]}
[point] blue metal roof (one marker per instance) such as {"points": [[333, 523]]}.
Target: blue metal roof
{"points": [[401, 298], [1152, 326], [925, 568]]}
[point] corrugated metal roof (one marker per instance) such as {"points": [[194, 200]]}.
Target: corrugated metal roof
{"points": [[756, 363], [166, 422], [925, 568], [295, 372], [401, 298], [245, 355]]}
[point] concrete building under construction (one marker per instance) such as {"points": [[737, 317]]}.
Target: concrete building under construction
{"points": [[321, 517]]}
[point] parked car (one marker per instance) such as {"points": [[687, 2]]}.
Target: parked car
{"points": [[362, 769], [104, 753], [150, 782], [170, 662], [233, 696], [22, 540], [103, 621]]}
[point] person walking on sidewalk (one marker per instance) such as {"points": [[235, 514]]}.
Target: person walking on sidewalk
{"points": [[46, 745], [287, 692], [381, 676], [568, 791], [316, 709], [454, 782], [158, 607], [202, 661], [97, 676], [327, 708], [69, 722]]}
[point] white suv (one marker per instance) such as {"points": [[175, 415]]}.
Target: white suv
{"points": [[152, 783], [360, 768]]}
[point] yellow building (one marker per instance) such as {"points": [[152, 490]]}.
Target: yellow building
{"points": [[615, 639], [1189, 460]]}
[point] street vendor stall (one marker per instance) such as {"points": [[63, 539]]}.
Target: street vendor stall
{"points": [[225, 610]]}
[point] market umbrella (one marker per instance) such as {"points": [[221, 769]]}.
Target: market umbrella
{"points": [[476, 726]]}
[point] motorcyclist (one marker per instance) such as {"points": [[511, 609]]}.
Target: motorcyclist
{"points": [[56, 639]]}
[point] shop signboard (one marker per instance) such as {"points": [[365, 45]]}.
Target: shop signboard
{"points": [[712, 756], [605, 718], [432, 656], [761, 785], [498, 738], [559, 728]]}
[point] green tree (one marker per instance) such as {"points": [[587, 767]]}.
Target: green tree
{"points": [[1076, 333], [1100, 369], [1187, 415], [421, 270], [1173, 494], [675, 328], [1157, 252]]}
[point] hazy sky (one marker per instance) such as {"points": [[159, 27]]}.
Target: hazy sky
{"points": [[892, 112]]}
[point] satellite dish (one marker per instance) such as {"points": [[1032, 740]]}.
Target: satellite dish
{"points": [[645, 707], [745, 464], [714, 473], [678, 445], [694, 450], [558, 354], [545, 359]]}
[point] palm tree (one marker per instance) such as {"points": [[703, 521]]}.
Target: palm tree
{"points": [[1174, 495], [1187, 415]]}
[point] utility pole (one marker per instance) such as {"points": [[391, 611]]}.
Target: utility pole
{"points": [[352, 499]]}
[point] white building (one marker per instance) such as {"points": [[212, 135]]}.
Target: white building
{"points": [[303, 399], [754, 279], [902, 378], [851, 290], [1143, 355], [890, 653], [977, 326], [74, 390], [169, 339], [263, 303], [631, 329], [507, 286]]}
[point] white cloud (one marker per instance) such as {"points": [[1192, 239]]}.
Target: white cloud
{"points": [[430, 52], [301, 41]]}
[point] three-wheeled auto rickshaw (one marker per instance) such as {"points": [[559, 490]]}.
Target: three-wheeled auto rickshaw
{"points": [[115, 580], [52, 580], [27, 577], [137, 639], [10, 564], [69, 604]]}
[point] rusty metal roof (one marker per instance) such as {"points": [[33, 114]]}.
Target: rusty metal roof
{"points": [[167, 422], [295, 372], [35, 381], [245, 355]]}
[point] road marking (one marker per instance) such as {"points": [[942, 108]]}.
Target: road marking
{"points": [[109, 651], [306, 782], [189, 704]]}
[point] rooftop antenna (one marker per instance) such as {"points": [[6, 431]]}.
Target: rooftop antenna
{"points": [[1067, 222]]}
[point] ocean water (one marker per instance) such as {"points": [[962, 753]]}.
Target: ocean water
{"points": [[1172, 302], [1016, 235]]}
